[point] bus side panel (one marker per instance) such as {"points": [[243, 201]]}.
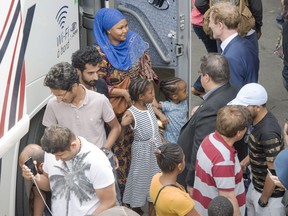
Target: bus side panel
{"points": [[34, 36]]}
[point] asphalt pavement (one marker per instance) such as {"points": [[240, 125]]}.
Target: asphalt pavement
{"points": [[270, 65]]}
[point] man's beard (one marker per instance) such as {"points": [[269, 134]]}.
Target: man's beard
{"points": [[91, 83]]}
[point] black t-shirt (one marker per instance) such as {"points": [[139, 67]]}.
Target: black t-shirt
{"points": [[264, 145]]}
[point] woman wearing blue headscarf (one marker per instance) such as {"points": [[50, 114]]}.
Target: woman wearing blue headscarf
{"points": [[124, 56]]}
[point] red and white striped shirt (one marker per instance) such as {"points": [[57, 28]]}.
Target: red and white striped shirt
{"points": [[217, 168]]}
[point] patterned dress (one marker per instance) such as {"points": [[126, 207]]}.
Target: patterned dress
{"points": [[143, 164], [122, 147]]}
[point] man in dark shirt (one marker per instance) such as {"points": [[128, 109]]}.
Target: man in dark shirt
{"points": [[264, 144], [86, 61]]}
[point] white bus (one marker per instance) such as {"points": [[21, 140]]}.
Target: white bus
{"points": [[35, 35]]}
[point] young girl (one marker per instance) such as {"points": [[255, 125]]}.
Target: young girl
{"points": [[175, 108], [170, 198], [140, 116]]}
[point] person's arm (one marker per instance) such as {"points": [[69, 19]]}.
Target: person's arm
{"points": [[276, 181], [156, 104], [269, 186], [231, 196], [160, 115], [205, 124], [107, 198], [256, 9], [118, 92], [127, 119], [190, 190], [193, 212], [42, 180], [39, 205], [115, 130], [272, 145], [49, 117], [244, 163]]}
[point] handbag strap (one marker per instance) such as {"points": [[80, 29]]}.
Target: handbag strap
{"points": [[173, 185]]}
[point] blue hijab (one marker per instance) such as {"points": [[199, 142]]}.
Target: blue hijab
{"points": [[125, 54]]}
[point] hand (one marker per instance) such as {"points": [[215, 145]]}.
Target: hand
{"points": [[190, 191], [26, 173], [194, 110], [163, 119], [259, 34], [155, 104], [276, 181], [244, 163], [116, 162], [127, 119], [127, 97]]}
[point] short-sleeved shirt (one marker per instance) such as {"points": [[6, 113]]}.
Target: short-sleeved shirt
{"points": [[217, 168], [86, 121], [264, 144], [73, 183], [172, 201], [177, 116]]}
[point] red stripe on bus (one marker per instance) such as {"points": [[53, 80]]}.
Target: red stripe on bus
{"points": [[3, 115], [7, 18]]}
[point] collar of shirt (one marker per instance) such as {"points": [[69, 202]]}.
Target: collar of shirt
{"points": [[85, 99], [227, 41], [210, 92]]}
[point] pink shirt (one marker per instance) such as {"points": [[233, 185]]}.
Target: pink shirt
{"points": [[196, 17], [86, 121]]}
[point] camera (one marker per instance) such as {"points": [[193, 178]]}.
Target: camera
{"points": [[30, 164]]}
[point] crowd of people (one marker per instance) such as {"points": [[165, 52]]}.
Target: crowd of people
{"points": [[102, 152]]}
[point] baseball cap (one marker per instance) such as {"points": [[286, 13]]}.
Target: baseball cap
{"points": [[250, 94], [281, 167]]}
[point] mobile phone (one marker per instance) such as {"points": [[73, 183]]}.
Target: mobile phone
{"points": [[30, 164]]}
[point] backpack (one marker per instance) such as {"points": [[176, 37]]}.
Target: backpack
{"points": [[247, 20]]}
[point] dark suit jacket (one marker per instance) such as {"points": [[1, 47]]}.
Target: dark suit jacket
{"points": [[200, 125], [243, 61]]}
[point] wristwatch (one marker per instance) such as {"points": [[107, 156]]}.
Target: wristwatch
{"points": [[105, 150], [261, 203]]}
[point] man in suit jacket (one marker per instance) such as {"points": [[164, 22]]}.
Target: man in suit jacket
{"points": [[215, 76], [240, 53]]}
